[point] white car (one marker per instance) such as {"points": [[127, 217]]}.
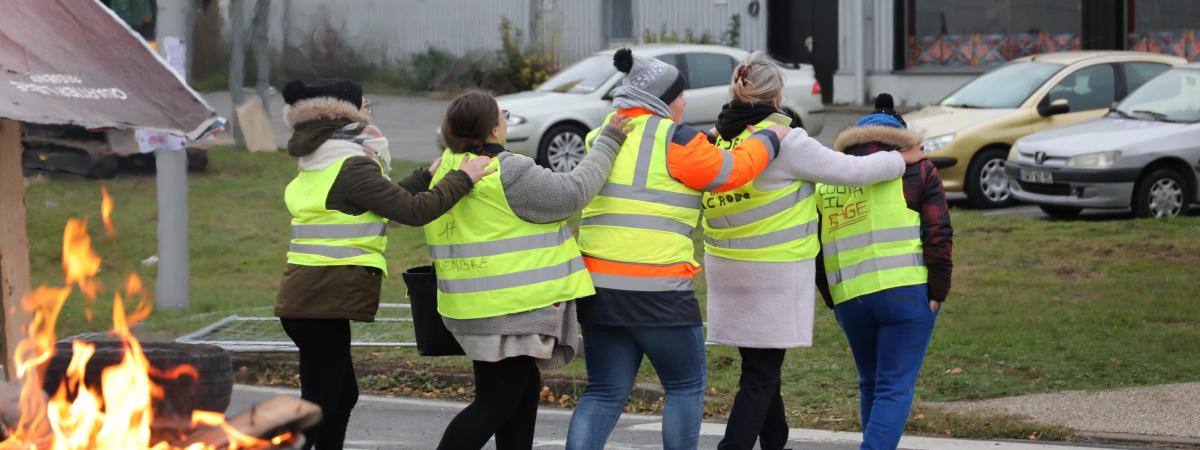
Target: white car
{"points": [[550, 122]]}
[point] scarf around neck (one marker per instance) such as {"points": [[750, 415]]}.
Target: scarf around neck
{"points": [[735, 116]]}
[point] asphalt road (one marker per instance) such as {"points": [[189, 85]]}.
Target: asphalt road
{"points": [[389, 423], [409, 123]]}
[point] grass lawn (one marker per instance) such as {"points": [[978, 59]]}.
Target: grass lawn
{"points": [[1037, 306]]}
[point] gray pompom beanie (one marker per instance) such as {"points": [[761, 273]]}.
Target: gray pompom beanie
{"points": [[649, 83]]}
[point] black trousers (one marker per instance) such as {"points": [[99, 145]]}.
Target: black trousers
{"points": [[505, 405], [326, 376], [757, 412]]}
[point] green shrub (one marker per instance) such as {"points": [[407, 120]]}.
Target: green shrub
{"points": [[733, 32], [525, 67], [730, 37], [426, 67]]}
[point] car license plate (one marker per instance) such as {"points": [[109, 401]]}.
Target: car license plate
{"points": [[1037, 176]]}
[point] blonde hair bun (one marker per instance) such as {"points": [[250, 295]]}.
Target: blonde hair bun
{"points": [[757, 80]]}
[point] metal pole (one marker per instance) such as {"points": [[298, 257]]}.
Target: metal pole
{"points": [[171, 286], [177, 18], [171, 291], [237, 66], [860, 81], [262, 51]]}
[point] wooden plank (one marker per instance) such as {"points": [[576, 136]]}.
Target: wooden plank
{"points": [[264, 421], [14, 243]]}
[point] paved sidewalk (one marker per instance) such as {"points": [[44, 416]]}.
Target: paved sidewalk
{"points": [[1163, 410], [407, 423]]}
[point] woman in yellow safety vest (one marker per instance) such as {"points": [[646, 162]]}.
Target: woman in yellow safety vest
{"points": [[508, 269], [760, 241], [886, 252], [637, 241], [341, 202]]}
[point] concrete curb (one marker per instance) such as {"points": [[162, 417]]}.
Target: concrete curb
{"points": [[1154, 441]]}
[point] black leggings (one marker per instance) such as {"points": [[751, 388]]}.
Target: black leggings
{"points": [[326, 376], [506, 401], [757, 412]]}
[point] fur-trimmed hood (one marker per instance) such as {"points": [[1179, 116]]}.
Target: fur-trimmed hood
{"points": [[889, 136], [322, 108]]}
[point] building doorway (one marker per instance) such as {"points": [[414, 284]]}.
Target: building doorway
{"points": [[805, 31]]}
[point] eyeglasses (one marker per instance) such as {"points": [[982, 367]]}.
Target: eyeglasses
{"points": [[504, 114], [367, 104]]}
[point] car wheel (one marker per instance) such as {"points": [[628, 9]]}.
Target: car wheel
{"points": [[987, 184], [1162, 193], [1061, 212], [562, 148]]}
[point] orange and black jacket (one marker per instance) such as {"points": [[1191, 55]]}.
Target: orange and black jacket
{"points": [[698, 164]]}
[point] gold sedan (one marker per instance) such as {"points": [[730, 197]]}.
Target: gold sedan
{"points": [[969, 133]]}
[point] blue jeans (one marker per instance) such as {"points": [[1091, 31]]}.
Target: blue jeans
{"points": [[889, 332], [614, 355]]}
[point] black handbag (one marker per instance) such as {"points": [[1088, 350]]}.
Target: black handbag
{"points": [[433, 339]]}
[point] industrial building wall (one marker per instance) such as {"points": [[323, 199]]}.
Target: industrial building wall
{"points": [[703, 15], [386, 31]]}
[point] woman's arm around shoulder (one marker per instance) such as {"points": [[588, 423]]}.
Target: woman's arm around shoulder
{"points": [[809, 160], [540, 195], [703, 166], [363, 185]]}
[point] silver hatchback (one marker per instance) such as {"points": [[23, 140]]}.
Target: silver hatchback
{"points": [[1144, 154]]}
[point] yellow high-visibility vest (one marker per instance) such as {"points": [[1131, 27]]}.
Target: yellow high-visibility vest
{"points": [[491, 263], [748, 224], [870, 240], [642, 215], [324, 237]]}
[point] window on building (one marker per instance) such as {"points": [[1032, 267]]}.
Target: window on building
{"points": [[989, 32], [1137, 74], [708, 69], [1093, 87], [1165, 26], [618, 17]]}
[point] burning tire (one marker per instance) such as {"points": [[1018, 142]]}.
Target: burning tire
{"points": [[209, 391]]}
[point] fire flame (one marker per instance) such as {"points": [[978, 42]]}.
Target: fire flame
{"points": [[118, 414], [106, 208]]}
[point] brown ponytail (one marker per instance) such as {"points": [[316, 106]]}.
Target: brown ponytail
{"points": [[469, 121]]}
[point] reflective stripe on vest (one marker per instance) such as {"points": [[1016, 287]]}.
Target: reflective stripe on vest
{"points": [[649, 195], [876, 265], [324, 237], [338, 230], [749, 224], [723, 173], [766, 240], [328, 251], [871, 240], [491, 263], [502, 246], [762, 212], [871, 237], [642, 216], [509, 280], [642, 284], [637, 221]]}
